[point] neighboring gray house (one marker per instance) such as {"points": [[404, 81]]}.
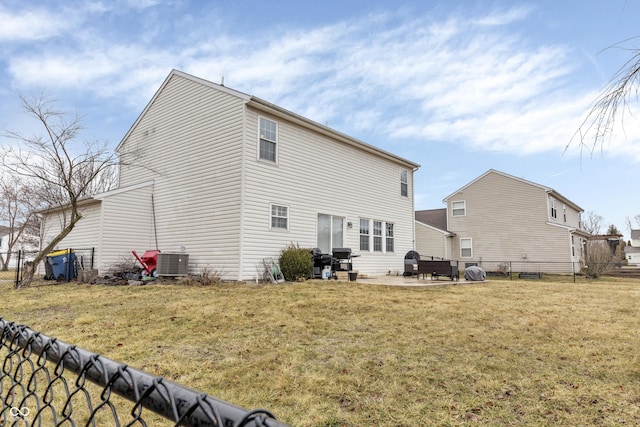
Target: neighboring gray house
{"points": [[432, 237], [498, 218], [232, 179], [632, 252]]}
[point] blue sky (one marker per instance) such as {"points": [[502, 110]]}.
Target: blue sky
{"points": [[457, 86]]}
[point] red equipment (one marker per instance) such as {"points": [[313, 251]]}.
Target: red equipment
{"points": [[149, 261]]}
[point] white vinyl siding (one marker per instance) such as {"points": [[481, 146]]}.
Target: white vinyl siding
{"points": [[209, 194], [331, 192]]}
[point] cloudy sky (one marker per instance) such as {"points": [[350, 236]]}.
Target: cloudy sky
{"points": [[457, 86]]}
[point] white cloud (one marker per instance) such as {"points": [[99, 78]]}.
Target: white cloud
{"points": [[29, 25], [465, 80]]}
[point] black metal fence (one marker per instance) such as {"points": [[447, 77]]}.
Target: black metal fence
{"points": [[46, 382], [63, 266]]}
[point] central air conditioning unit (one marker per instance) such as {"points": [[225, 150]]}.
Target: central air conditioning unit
{"points": [[172, 264]]}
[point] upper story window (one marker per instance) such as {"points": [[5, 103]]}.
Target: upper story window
{"points": [[280, 217], [364, 234], [268, 140], [404, 183], [458, 208], [564, 212], [554, 211]]}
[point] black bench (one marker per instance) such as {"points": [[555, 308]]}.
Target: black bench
{"points": [[437, 268], [529, 275]]}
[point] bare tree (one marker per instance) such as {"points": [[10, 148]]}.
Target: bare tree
{"points": [[610, 103], [64, 168], [18, 206], [592, 223], [599, 260]]}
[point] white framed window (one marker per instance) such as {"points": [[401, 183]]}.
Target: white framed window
{"points": [[564, 212], [377, 236], [279, 217], [364, 235], [554, 211], [466, 248], [389, 237], [267, 145], [404, 183], [459, 208]]}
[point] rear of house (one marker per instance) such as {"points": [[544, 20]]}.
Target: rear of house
{"points": [[231, 180], [499, 219]]}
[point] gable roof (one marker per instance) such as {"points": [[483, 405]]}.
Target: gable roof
{"points": [[549, 190], [277, 111], [436, 218], [635, 234]]}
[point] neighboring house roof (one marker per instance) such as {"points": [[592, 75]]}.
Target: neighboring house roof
{"points": [[635, 234], [631, 250], [436, 218], [4, 230], [549, 190], [273, 109]]}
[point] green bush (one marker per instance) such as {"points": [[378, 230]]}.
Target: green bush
{"points": [[296, 263]]}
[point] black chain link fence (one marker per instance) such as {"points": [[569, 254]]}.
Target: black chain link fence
{"points": [[45, 382]]}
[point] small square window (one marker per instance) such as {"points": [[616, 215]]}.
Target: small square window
{"points": [[279, 217], [458, 208]]}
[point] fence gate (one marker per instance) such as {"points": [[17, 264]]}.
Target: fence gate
{"points": [[45, 382]]}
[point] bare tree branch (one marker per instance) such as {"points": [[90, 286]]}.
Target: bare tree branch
{"points": [[611, 104]]}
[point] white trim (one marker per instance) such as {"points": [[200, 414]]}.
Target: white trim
{"points": [[123, 190]]}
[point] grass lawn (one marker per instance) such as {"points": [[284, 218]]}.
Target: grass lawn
{"points": [[337, 354]]}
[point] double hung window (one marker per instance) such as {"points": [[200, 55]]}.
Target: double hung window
{"points": [[268, 140]]}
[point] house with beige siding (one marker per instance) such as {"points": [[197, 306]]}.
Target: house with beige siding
{"points": [[632, 250], [498, 220], [432, 237], [231, 179]]}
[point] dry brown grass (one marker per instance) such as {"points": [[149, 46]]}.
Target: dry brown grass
{"points": [[336, 354]]}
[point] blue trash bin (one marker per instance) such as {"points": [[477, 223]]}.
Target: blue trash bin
{"points": [[62, 265]]}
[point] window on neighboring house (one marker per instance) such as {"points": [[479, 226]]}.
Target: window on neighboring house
{"points": [[554, 211], [330, 233], [268, 139], [458, 208], [389, 237], [564, 212], [364, 234], [280, 217], [404, 183], [377, 236], [573, 247], [465, 248]]}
